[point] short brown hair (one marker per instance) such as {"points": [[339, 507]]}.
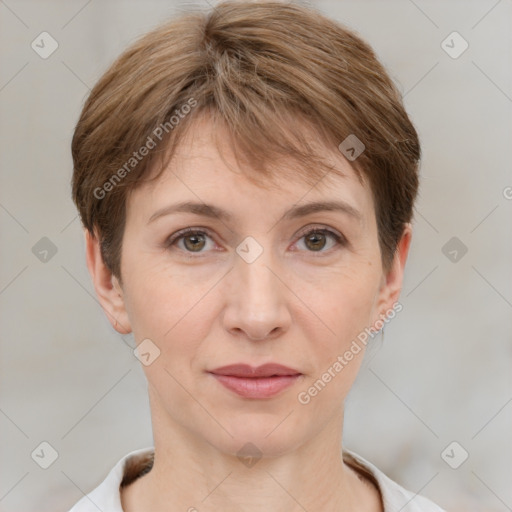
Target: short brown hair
{"points": [[255, 68]]}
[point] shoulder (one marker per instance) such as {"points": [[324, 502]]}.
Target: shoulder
{"points": [[106, 496], [394, 496]]}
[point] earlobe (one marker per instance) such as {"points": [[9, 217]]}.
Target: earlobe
{"points": [[107, 286]]}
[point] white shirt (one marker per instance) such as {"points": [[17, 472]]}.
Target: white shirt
{"points": [[107, 497]]}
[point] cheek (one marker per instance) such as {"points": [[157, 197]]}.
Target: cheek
{"points": [[162, 310], [160, 298], [343, 305], [343, 308]]}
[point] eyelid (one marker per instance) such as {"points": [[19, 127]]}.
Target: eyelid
{"points": [[321, 228]]}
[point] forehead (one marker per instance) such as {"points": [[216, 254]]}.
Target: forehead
{"points": [[203, 166]]}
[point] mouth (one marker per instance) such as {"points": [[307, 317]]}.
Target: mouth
{"points": [[263, 381]]}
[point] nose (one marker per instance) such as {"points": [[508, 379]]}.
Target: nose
{"points": [[257, 306]]}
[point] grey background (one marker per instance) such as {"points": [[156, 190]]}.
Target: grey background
{"points": [[442, 373]]}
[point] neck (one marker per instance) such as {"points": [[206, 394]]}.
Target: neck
{"points": [[190, 474]]}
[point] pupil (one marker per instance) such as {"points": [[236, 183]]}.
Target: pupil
{"points": [[316, 237], [195, 239]]}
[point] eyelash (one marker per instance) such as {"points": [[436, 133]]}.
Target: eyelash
{"points": [[176, 237]]}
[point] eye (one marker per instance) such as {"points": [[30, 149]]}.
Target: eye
{"points": [[194, 240], [316, 239]]}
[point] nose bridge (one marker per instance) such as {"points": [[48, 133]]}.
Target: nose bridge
{"points": [[258, 283], [257, 303]]}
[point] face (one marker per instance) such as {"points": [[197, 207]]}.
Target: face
{"points": [[263, 280]]}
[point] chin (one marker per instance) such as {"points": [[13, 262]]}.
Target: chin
{"points": [[262, 433]]}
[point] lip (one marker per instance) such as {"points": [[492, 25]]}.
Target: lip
{"points": [[246, 370], [263, 381]]}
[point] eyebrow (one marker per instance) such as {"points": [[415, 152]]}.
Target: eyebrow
{"points": [[208, 210]]}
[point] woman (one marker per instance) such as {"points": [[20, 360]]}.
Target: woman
{"points": [[246, 181]]}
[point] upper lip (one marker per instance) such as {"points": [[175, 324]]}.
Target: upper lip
{"points": [[246, 370]]}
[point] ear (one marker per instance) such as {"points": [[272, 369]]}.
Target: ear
{"points": [[108, 289], [391, 284]]}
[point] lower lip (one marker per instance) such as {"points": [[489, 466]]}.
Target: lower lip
{"points": [[259, 387]]}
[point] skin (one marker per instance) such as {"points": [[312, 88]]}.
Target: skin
{"points": [[298, 304]]}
